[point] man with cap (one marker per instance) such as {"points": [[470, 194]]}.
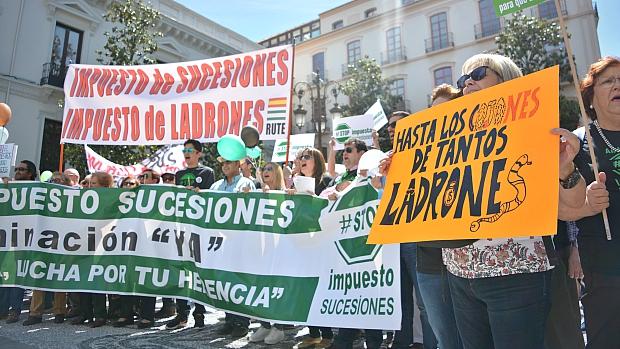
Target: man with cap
{"points": [[194, 177]]}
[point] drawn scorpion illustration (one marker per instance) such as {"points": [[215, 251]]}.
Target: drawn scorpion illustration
{"points": [[518, 183]]}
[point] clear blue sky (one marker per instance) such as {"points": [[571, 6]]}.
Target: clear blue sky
{"points": [[260, 19]]}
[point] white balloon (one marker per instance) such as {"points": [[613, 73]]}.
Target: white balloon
{"points": [[4, 135]]}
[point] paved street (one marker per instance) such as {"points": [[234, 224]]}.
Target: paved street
{"points": [[49, 335]]}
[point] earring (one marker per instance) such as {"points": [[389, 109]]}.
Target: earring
{"points": [[591, 107]]}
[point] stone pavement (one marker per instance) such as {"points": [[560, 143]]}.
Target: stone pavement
{"points": [[49, 335]]}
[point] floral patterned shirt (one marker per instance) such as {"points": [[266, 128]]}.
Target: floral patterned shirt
{"points": [[497, 257]]}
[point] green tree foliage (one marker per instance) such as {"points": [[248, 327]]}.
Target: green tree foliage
{"points": [[363, 85], [535, 44], [132, 39], [131, 42]]}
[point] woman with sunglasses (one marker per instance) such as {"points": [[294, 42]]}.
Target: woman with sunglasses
{"points": [[312, 164], [501, 287], [272, 177]]}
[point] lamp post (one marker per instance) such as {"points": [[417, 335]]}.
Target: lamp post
{"points": [[318, 90]]}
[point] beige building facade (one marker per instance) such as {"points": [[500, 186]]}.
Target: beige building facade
{"points": [[42, 37], [418, 43]]}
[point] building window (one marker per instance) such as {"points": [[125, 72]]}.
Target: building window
{"points": [[50, 145], [439, 30], [318, 64], [337, 24], [66, 50], [394, 49], [489, 22], [354, 52], [397, 88], [370, 12], [547, 10], [443, 75]]}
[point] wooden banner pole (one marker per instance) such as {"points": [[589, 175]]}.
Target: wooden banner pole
{"points": [[61, 161], [584, 117]]}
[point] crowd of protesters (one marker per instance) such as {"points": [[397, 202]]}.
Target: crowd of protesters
{"points": [[473, 294]]}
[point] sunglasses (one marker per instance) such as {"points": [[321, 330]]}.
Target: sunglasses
{"points": [[188, 150], [476, 75], [306, 157], [168, 178], [392, 124], [348, 149], [268, 169]]}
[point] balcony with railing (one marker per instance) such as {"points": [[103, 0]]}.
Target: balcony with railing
{"points": [[439, 42], [53, 74], [488, 28], [398, 54]]}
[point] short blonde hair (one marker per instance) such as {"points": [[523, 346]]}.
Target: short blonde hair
{"points": [[502, 65]]}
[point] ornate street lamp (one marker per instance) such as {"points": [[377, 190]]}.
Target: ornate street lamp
{"points": [[318, 101]]}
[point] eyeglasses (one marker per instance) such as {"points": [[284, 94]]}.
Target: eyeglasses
{"points": [[188, 150], [392, 124], [268, 169], [609, 82], [476, 75], [348, 149], [305, 157], [130, 184], [21, 169]]}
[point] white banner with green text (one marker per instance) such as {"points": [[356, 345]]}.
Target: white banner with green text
{"points": [[286, 258]]}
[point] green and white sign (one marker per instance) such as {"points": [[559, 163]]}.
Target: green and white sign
{"points": [[360, 127], [286, 258], [506, 7], [298, 142]]}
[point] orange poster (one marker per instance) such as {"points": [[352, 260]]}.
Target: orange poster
{"points": [[482, 166]]}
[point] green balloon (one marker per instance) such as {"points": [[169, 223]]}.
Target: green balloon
{"points": [[231, 148], [45, 176], [253, 152]]}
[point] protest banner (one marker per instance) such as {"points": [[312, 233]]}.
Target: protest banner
{"points": [[286, 258], [378, 115], [167, 159], [506, 7], [298, 142], [169, 103], [482, 166], [8, 154], [359, 127]]}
